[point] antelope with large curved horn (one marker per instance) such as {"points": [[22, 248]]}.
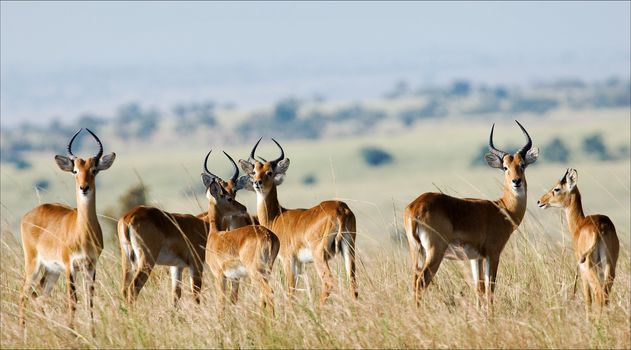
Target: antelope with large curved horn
{"points": [[233, 254], [149, 236], [440, 226], [58, 239], [306, 235]]}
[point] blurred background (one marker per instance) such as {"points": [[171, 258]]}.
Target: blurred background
{"points": [[374, 102]]}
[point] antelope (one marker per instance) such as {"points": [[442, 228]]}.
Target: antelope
{"points": [[149, 236], [233, 254], [306, 235], [440, 226], [594, 239], [59, 239]]}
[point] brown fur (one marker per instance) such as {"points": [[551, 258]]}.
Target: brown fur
{"points": [[253, 248], [438, 226], [592, 236], [59, 239], [181, 235], [309, 229]]}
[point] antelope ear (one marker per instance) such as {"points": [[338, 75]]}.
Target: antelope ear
{"points": [[281, 167], [214, 189], [532, 155], [244, 182], [106, 161], [493, 161], [64, 163], [571, 178], [246, 166], [207, 180]]}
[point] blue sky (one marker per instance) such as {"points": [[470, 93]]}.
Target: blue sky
{"points": [[44, 33]]}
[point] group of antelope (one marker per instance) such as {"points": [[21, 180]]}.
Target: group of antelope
{"points": [[58, 239]]}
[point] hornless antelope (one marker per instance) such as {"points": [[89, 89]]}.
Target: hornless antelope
{"points": [[149, 236], [593, 237], [232, 254], [59, 239], [438, 225], [306, 235]]}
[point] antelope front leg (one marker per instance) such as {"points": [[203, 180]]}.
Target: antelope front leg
{"points": [[491, 264], [477, 272], [176, 284], [90, 278], [71, 292]]}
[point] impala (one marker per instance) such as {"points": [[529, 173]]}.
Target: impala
{"points": [[593, 237], [59, 239], [306, 235], [439, 226], [233, 254], [149, 236]]}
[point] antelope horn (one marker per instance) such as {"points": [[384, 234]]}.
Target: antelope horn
{"points": [[98, 155], [69, 148], [282, 154], [251, 158], [206, 166], [492, 148], [235, 176], [528, 144]]}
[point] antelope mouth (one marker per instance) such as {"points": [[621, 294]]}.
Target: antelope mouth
{"points": [[542, 205]]}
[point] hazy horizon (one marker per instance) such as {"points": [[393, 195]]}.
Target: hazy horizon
{"points": [[62, 59]]}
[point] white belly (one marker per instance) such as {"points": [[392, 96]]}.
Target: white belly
{"points": [[168, 258], [305, 255], [457, 251], [235, 272], [55, 266]]}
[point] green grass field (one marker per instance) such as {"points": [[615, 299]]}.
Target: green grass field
{"points": [[535, 306]]}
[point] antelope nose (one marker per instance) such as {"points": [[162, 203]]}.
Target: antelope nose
{"points": [[516, 182], [84, 189], [259, 182], [538, 202]]}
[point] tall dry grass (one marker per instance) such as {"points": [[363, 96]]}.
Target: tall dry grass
{"points": [[535, 307]]}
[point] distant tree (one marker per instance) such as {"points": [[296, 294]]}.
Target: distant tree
{"points": [[460, 88], [286, 110], [595, 146], [537, 105], [556, 151], [374, 156], [433, 109]]}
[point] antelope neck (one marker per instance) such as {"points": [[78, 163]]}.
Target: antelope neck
{"points": [[514, 203], [574, 211], [267, 206]]}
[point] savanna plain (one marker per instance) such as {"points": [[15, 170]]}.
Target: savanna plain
{"points": [[535, 304]]}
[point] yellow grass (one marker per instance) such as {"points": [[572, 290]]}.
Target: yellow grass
{"points": [[535, 305]]}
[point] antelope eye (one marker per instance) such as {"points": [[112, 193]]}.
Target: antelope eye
{"points": [[269, 173], [557, 190]]}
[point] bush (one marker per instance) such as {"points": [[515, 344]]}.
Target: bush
{"points": [[42, 184], [309, 179], [595, 146], [556, 151], [374, 156]]}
